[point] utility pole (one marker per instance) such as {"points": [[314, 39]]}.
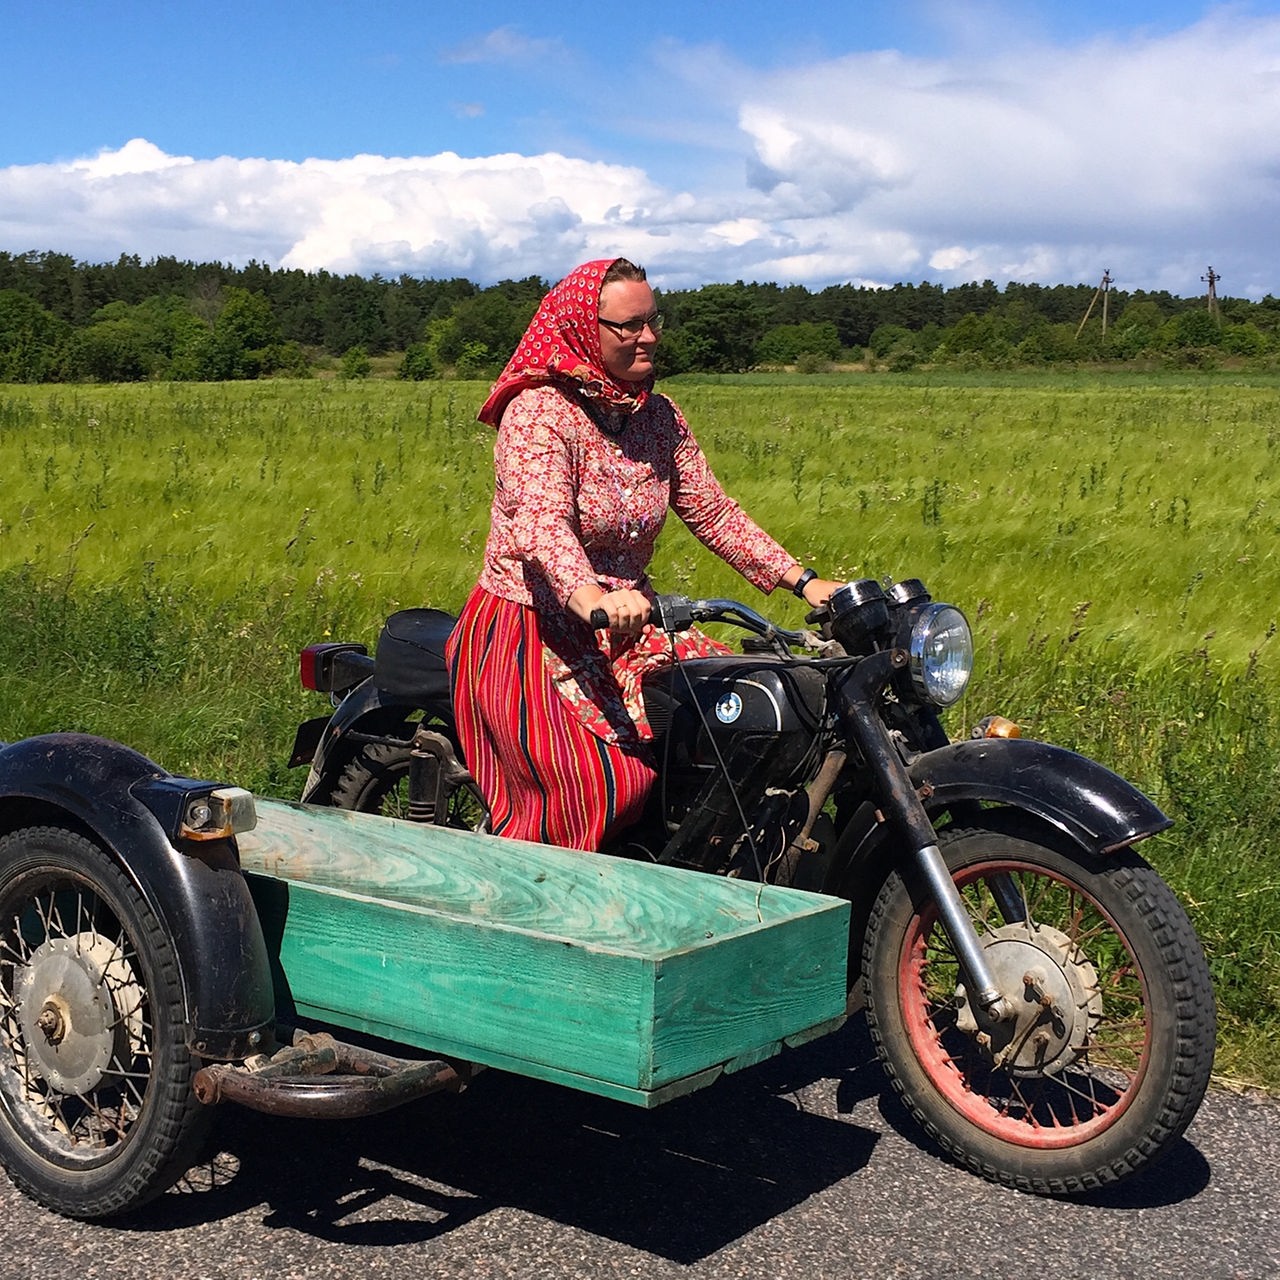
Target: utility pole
{"points": [[1212, 281], [1103, 290]]}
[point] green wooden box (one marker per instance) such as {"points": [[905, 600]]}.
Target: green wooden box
{"points": [[622, 978]]}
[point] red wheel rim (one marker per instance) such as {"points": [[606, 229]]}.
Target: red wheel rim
{"points": [[1036, 1110]]}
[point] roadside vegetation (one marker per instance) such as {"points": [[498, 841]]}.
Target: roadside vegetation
{"points": [[165, 550]]}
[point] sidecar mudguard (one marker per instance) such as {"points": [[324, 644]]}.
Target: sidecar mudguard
{"points": [[131, 807]]}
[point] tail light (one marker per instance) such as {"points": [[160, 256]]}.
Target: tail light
{"points": [[320, 668]]}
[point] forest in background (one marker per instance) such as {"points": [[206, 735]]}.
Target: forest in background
{"points": [[166, 319]]}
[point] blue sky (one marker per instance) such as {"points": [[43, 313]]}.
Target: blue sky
{"points": [[870, 142]]}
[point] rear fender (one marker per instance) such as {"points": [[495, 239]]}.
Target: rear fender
{"points": [[366, 709], [127, 804]]}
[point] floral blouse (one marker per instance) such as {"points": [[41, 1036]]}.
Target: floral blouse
{"points": [[574, 504]]}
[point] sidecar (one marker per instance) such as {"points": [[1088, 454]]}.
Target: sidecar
{"points": [[169, 943]]}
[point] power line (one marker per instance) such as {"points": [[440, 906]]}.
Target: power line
{"points": [[1212, 281], [1103, 291]]}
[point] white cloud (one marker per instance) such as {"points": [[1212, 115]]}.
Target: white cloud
{"points": [[136, 156], [953, 258], [1044, 160], [1152, 156], [503, 44], [505, 215]]}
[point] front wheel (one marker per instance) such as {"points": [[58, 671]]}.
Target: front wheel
{"points": [[1109, 1053], [97, 1113]]}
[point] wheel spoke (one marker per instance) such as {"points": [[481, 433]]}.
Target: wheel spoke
{"points": [[1045, 923], [67, 910]]}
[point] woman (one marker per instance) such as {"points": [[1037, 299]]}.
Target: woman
{"points": [[588, 459]]}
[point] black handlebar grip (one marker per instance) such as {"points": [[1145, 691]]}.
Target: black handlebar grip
{"points": [[599, 619]]}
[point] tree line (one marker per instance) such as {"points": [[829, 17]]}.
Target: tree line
{"points": [[64, 320]]}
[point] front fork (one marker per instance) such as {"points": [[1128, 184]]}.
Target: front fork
{"points": [[862, 688]]}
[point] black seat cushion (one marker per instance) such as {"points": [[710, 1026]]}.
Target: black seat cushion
{"points": [[409, 660]]}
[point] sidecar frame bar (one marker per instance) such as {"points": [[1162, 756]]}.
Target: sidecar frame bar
{"points": [[318, 1077]]}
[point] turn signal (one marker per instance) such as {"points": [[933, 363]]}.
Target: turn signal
{"points": [[997, 727]]}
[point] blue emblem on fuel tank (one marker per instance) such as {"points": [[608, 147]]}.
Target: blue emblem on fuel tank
{"points": [[728, 708]]}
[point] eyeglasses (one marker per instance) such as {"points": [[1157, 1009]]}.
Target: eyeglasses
{"points": [[633, 328]]}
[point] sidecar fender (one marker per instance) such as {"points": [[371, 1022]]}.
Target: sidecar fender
{"points": [[129, 806], [1098, 809]]}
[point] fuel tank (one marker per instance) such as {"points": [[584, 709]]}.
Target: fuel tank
{"points": [[706, 705]]}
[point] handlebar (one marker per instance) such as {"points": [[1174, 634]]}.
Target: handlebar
{"points": [[674, 613]]}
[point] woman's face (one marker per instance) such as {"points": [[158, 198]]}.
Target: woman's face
{"points": [[627, 357]]}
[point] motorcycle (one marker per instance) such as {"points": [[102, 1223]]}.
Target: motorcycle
{"points": [[1034, 990]]}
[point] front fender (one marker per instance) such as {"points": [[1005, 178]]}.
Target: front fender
{"points": [[123, 801], [1095, 808], [1098, 809]]}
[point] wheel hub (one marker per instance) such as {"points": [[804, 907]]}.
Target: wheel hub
{"points": [[80, 1006], [1055, 994]]}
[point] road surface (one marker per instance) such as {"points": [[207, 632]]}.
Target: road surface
{"points": [[802, 1167]]}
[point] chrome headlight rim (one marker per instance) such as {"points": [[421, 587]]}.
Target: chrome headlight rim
{"points": [[941, 652]]}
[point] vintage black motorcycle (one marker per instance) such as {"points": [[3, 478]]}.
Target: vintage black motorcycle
{"points": [[1035, 991]]}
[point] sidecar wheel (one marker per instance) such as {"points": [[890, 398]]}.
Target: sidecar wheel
{"points": [[97, 1113], [1110, 1053]]}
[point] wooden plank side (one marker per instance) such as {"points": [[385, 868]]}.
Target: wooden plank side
{"points": [[434, 979], [748, 991]]}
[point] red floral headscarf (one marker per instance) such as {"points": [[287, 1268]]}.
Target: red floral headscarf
{"points": [[562, 344]]}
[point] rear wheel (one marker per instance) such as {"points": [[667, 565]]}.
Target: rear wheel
{"points": [[1109, 1053], [97, 1113], [376, 780]]}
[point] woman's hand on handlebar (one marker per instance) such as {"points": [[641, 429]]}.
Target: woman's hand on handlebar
{"points": [[625, 611], [817, 591]]}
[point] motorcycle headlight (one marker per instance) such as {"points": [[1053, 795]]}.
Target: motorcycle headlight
{"points": [[941, 653]]}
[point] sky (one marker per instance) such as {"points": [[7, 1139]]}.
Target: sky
{"points": [[1045, 141]]}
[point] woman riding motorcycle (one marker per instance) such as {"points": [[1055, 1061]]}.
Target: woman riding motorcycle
{"points": [[588, 459]]}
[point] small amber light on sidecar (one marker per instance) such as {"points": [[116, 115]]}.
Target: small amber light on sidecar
{"points": [[219, 814]]}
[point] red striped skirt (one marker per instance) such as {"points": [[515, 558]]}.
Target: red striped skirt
{"points": [[544, 775]]}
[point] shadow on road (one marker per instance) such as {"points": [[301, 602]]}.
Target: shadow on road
{"points": [[680, 1182]]}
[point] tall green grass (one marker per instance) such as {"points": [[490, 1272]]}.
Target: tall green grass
{"points": [[165, 550]]}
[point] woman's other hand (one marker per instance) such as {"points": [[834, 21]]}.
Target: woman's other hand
{"points": [[817, 591]]}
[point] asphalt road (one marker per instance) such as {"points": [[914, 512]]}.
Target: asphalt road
{"points": [[804, 1166]]}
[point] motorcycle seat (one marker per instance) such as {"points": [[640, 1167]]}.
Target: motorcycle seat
{"points": [[409, 659]]}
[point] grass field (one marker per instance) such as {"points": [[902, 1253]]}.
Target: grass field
{"points": [[165, 550]]}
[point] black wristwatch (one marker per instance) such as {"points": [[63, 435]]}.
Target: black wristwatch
{"points": [[803, 581]]}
